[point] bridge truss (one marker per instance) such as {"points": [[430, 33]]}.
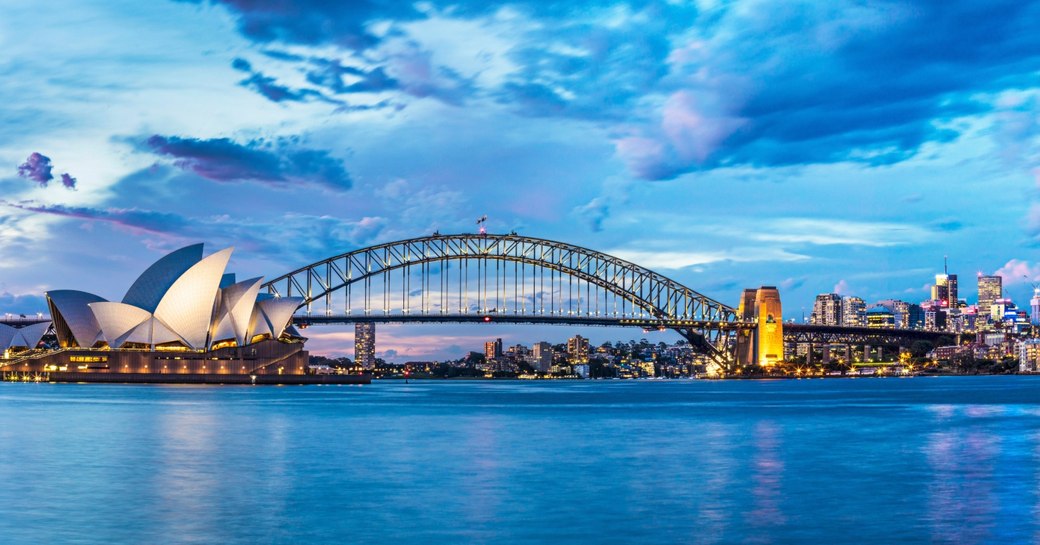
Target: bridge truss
{"points": [[504, 278]]}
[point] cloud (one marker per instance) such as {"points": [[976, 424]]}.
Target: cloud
{"points": [[37, 168], [842, 288], [829, 231], [280, 164], [22, 303], [594, 212], [128, 218], [1017, 271], [673, 260]]}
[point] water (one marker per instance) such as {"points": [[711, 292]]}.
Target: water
{"points": [[924, 460]]}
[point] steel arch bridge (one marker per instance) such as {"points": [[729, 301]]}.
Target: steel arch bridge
{"points": [[506, 279]]}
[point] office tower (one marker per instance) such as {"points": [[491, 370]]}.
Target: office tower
{"points": [[578, 349], [990, 289], [542, 354], [493, 349], [826, 310], [853, 312], [365, 345]]}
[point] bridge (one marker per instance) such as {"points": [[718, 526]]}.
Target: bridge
{"points": [[511, 278], [504, 279]]}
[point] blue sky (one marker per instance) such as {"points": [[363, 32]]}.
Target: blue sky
{"points": [[816, 146]]}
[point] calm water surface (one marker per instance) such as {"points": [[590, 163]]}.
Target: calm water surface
{"points": [[924, 460]]}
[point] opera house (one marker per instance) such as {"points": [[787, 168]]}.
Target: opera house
{"points": [[183, 320]]}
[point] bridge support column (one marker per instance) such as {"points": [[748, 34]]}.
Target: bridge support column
{"points": [[809, 354], [866, 353], [848, 353], [826, 354], [881, 353]]}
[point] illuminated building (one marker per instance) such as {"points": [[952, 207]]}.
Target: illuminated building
{"points": [[770, 331], [1034, 307], [578, 349], [365, 345], [991, 288], [880, 317], [542, 356], [906, 315], [826, 310], [853, 312], [493, 349], [183, 320]]}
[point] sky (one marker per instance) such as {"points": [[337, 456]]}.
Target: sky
{"points": [[817, 146]]}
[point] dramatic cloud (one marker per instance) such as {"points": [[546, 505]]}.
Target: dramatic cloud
{"points": [[281, 163], [128, 218], [37, 168], [1017, 271], [685, 88]]}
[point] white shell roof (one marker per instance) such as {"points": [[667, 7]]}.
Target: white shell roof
{"points": [[72, 306], [119, 322], [149, 288], [278, 312], [188, 305], [237, 303]]}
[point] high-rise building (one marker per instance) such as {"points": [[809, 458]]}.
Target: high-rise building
{"points": [[770, 332], [493, 349], [365, 345], [1034, 307], [990, 289], [826, 310], [542, 356], [578, 349], [945, 290], [853, 312]]}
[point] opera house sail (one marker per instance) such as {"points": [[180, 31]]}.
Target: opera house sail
{"points": [[185, 319]]}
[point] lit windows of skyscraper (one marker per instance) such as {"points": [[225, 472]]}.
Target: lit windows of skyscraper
{"points": [[493, 349], [853, 312], [990, 289], [578, 349], [827, 310], [365, 345]]}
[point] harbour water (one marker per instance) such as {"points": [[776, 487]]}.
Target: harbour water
{"points": [[921, 460]]}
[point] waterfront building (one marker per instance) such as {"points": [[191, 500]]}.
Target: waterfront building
{"points": [[853, 311], [183, 320], [542, 356], [826, 310], [578, 349], [365, 345], [1029, 356], [493, 349], [15, 340], [906, 315]]}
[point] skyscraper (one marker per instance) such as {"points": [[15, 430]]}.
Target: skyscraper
{"points": [[826, 310], [493, 349], [578, 349], [853, 311], [365, 344], [542, 354], [990, 289]]}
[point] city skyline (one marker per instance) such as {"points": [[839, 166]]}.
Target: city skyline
{"points": [[682, 138]]}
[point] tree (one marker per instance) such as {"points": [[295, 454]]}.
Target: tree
{"points": [[921, 348]]}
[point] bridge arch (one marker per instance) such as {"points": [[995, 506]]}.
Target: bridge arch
{"points": [[646, 298]]}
